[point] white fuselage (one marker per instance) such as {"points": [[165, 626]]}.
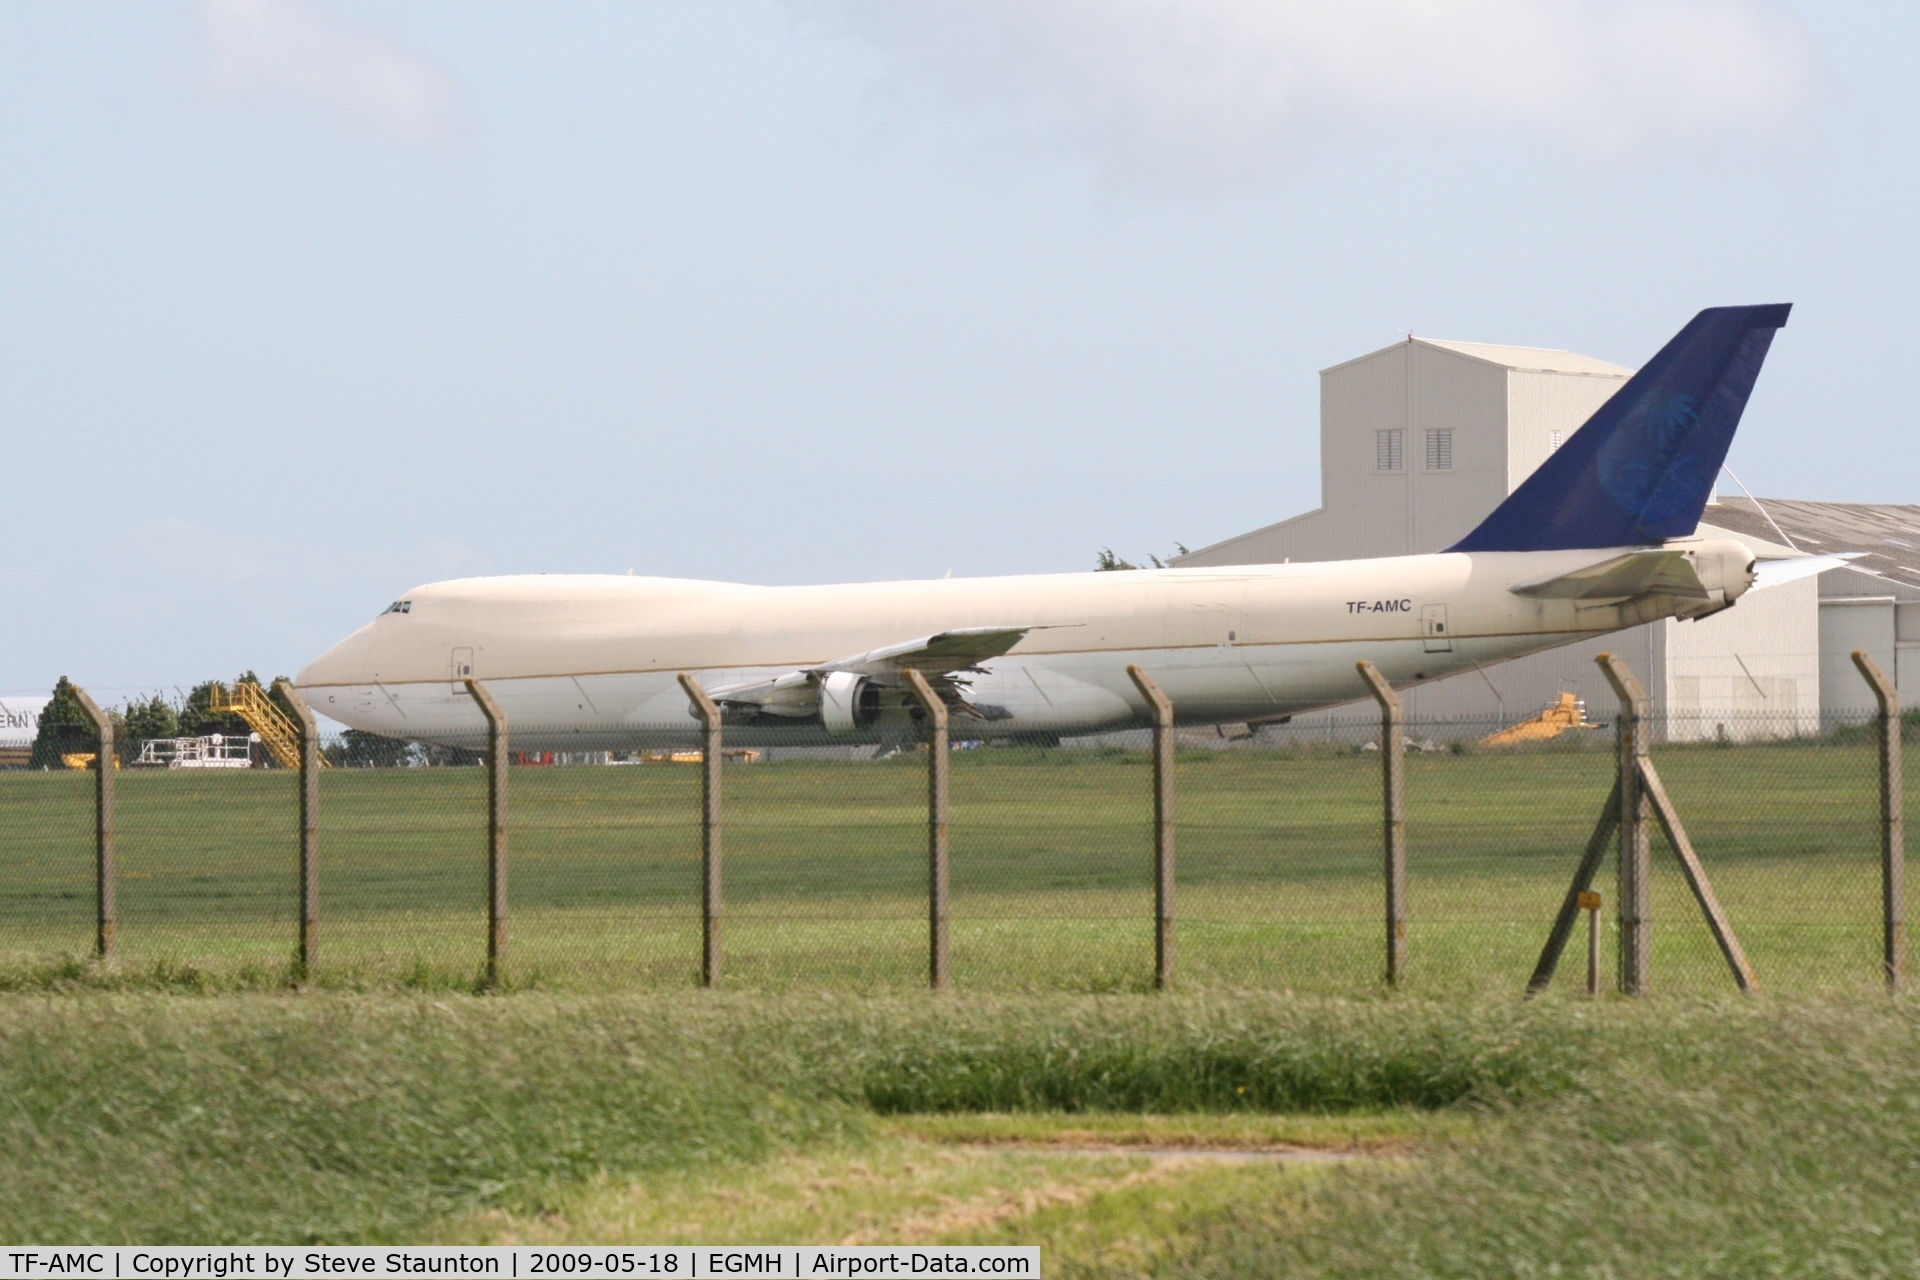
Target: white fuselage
{"points": [[590, 662]]}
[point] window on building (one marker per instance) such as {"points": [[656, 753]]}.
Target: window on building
{"points": [[1387, 447], [1553, 440], [1440, 450]]}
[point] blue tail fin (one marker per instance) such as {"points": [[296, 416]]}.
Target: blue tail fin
{"points": [[1641, 468]]}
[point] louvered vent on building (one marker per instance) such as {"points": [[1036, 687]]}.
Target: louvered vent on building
{"points": [[1386, 450]]}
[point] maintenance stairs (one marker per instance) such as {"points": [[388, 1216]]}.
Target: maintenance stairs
{"points": [[278, 733]]}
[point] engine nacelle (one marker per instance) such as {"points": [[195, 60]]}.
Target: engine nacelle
{"points": [[1725, 568], [849, 702]]}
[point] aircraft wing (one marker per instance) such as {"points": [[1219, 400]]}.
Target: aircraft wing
{"points": [[1638, 573], [945, 659], [948, 652]]}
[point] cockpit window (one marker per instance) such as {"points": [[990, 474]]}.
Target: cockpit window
{"points": [[400, 606]]}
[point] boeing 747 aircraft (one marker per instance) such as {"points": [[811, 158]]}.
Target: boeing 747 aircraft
{"points": [[1601, 537]]}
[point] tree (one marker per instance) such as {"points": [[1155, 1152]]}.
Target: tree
{"points": [[141, 720], [280, 700], [65, 728], [433, 753], [1109, 562], [199, 720], [358, 749]]}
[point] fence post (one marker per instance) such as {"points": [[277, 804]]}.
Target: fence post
{"points": [[1393, 776], [711, 758], [1590, 903], [938, 890], [1162, 825], [105, 874], [1893, 824], [309, 827], [1636, 857], [496, 828]]}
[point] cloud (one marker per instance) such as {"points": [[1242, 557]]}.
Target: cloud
{"points": [[1204, 89], [298, 53]]}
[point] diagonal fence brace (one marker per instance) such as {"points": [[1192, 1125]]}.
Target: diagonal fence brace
{"points": [[1596, 853], [1637, 790], [1697, 881]]}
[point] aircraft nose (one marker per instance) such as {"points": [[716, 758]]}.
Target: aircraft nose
{"points": [[344, 664]]}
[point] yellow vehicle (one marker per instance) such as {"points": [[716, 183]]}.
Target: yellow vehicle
{"points": [[1567, 713]]}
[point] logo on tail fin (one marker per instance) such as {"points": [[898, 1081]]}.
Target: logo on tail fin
{"points": [[1637, 463]]}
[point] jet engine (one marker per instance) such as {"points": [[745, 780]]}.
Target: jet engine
{"points": [[849, 702]]}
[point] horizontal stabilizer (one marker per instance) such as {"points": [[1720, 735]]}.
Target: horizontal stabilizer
{"points": [[1771, 573], [1638, 573]]}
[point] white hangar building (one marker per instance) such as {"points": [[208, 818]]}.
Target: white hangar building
{"points": [[1419, 441]]}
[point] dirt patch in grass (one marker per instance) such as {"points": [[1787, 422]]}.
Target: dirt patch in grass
{"points": [[1380, 1132]]}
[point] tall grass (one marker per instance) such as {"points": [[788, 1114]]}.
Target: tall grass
{"points": [[1730, 1140], [1743, 1137], [152, 1119], [1253, 1052], [166, 1118]]}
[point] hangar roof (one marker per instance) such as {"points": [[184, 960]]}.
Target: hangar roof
{"points": [[1887, 533], [1535, 359], [1544, 359]]}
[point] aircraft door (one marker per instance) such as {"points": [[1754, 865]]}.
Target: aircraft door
{"points": [[460, 668], [1433, 628]]}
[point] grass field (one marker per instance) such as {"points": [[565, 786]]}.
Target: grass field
{"points": [[1677, 1136], [375, 1116], [1278, 872]]}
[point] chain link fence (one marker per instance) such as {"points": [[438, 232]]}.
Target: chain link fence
{"points": [[1279, 863]]}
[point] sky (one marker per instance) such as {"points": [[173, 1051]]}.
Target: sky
{"points": [[306, 302]]}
